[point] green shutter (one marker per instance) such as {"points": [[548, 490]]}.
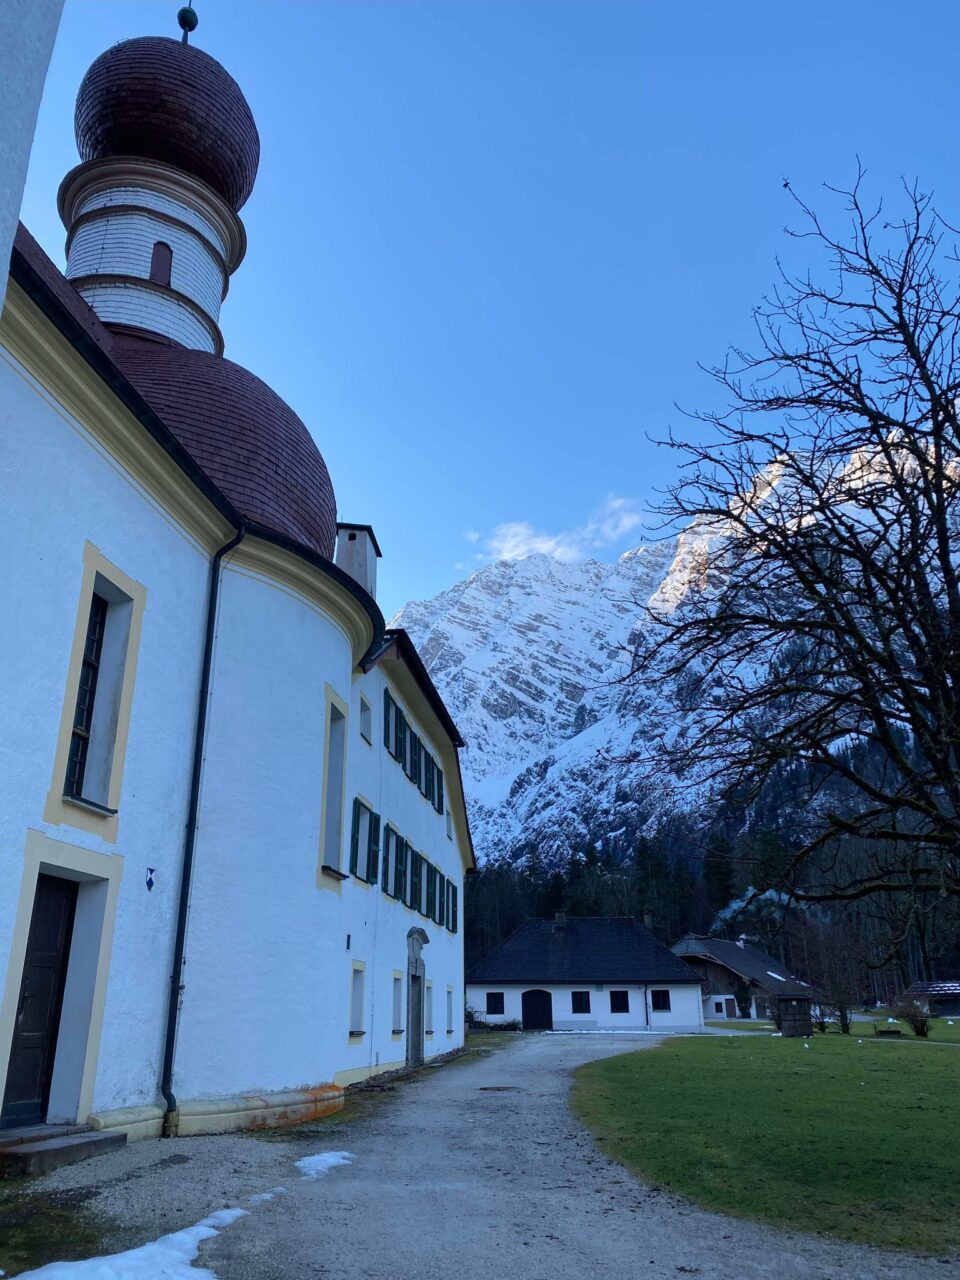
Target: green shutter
{"points": [[441, 898], [428, 775], [400, 869], [430, 911], [373, 849], [387, 708], [355, 838], [438, 798], [385, 867], [400, 738], [416, 886], [452, 919]]}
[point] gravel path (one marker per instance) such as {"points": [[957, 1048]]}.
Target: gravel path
{"points": [[476, 1169]]}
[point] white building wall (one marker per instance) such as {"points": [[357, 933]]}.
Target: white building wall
{"points": [[272, 945], [27, 33], [122, 244], [144, 198], [144, 308], [684, 1015], [59, 489]]}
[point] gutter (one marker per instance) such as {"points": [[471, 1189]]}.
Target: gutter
{"points": [[170, 1119]]}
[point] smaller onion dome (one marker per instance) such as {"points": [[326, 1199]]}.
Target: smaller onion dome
{"points": [[248, 441], [165, 100]]}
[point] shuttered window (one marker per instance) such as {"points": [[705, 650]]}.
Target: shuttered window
{"points": [[441, 914], [452, 909], [438, 791], [400, 737], [400, 871], [416, 881], [429, 776], [373, 849], [365, 843], [430, 910], [415, 761], [388, 705], [389, 854]]}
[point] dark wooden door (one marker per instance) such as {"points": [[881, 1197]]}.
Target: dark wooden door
{"points": [[537, 1007], [34, 1043], [731, 1007], [414, 1020]]}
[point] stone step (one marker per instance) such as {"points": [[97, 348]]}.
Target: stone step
{"points": [[29, 1158], [39, 1133]]}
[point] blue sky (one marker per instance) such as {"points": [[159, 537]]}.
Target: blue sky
{"points": [[492, 239]]}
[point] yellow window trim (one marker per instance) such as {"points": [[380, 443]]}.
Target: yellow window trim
{"points": [[332, 699], [57, 810]]}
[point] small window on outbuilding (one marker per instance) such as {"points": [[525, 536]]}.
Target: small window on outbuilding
{"points": [[161, 263], [660, 1001], [718, 1006], [619, 1001], [495, 1002], [580, 1001]]}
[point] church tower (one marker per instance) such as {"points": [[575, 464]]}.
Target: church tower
{"points": [[169, 151]]}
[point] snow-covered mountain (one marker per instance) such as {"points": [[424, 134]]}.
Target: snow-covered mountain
{"points": [[527, 655]]}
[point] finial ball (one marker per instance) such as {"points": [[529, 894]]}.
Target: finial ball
{"points": [[187, 19]]}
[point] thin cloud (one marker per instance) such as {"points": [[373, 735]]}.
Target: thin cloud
{"points": [[614, 519]]}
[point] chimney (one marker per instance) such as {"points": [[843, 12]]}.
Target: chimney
{"points": [[559, 922], [741, 940], [357, 554], [648, 921]]}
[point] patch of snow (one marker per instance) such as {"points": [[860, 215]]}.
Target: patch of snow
{"points": [[779, 977], [168, 1258], [316, 1166]]}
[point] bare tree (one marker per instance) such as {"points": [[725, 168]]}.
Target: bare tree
{"points": [[820, 644]]}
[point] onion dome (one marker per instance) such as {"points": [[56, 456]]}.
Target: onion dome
{"points": [[165, 100], [252, 446]]}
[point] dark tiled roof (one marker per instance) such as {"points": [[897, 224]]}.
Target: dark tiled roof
{"points": [[63, 290], [164, 100], [248, 441], [584, 949], [946, 987], [746, 961]]}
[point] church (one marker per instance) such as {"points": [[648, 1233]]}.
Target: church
{"points": [[234, 837]]}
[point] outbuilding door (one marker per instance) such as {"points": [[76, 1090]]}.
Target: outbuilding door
{"points": [[34, 1043], [537, 1009], [731, 1007]]}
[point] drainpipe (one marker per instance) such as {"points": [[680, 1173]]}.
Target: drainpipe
{"points": [[170, 1120]]}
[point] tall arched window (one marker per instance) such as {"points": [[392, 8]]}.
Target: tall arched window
{"points": [[160, 263]]}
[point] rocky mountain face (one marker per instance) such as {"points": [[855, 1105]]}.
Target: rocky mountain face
{"points": [[528, 656]]}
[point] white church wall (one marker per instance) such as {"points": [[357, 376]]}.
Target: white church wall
{"points": [[273, 943], [123, 244], [125, 302], [684, 1013], [60, 492]]}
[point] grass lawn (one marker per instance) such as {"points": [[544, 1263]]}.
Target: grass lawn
{"points": [[942, 1030], [487, 1041], [854, 1140]]}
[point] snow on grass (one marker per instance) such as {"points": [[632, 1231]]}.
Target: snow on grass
{"points": [[168, 1258], [316, 1166]]}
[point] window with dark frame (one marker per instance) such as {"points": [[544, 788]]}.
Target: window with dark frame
{"points": [[86, 696], [619, 1001], [717, 1006], [366, 720], [660, 1001], [161, 263], [580, 1001], [494, 1002]]}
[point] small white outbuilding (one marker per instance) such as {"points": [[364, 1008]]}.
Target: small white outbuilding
{"points": [[596, 973]]}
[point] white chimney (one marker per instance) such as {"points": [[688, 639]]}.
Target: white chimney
{"points": [[357, 554]]}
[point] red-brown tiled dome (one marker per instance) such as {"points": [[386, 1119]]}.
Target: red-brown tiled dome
{"points": [[164, 100], [251, 445]]}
